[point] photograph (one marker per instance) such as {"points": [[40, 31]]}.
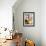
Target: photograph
{"points": [[28, 19]]}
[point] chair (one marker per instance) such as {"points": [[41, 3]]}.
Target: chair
{"points": [[18, 39]]}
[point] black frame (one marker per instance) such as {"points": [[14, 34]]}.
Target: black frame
{"points": [[33, 19]]}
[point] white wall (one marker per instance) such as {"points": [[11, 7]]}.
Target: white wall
{"points": [[32, 33], [6, 13], [43, 22]]}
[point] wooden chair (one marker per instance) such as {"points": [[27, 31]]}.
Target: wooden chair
{"points": [[18, 39]]}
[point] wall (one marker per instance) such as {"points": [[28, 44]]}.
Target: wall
{"points": [[32, 33], [6, 13], [43, 22]]}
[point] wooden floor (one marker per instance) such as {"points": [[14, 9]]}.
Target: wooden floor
{"points": [[9, 43]]}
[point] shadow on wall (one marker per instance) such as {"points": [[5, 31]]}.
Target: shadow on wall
{"points": [[36, 40]]}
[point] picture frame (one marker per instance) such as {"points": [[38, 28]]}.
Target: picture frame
{"points": [[29, 19]]}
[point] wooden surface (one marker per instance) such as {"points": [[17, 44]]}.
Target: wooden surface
{"points": [[16, 34]]}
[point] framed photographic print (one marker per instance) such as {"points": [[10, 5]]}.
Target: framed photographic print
{"points": [[28, 19]]}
